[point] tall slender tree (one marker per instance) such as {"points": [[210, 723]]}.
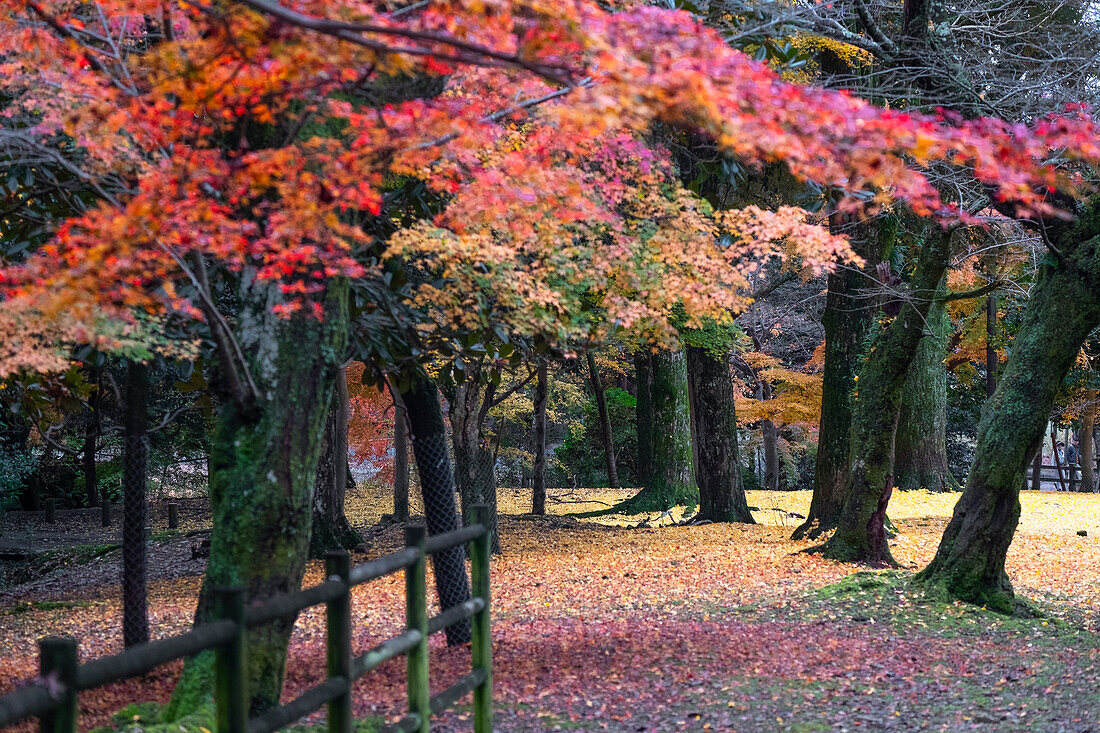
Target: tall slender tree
{"points": [[331, 529], [437, 489], [400, 460], [538, 479], [606, 436], [135, 607]]}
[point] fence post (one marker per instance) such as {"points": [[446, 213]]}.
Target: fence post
{"points": [[416, 617], [57, 658], [481, 650], [173, 515], [51, 511], [230, 682], [105, 512], [338, 641]]}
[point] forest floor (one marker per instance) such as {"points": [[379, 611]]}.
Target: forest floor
{"points": [[599, 626]]}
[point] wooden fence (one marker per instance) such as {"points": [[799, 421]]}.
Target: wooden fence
{"points": [[1055, 476], [53, 697]]}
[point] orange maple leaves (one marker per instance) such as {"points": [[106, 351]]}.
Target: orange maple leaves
{"points": [[257, 136]]}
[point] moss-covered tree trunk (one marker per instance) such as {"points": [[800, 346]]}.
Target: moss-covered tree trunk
{"points": [[331, 529], [606, 438], [474, 455], [847, 318], [671, 481], [263, 466], [990, 345], [1063, 307], [721, 493], [643, 416], [920, 447], [1087, 446], [437, 489], [876, 404], [538, 478]]}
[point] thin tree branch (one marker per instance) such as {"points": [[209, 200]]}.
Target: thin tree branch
{"points": [[350, 32], [975, 293]]}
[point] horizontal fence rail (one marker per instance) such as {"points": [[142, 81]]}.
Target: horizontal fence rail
{"points": [[53, 696]]}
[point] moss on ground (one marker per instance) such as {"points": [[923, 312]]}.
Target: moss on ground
{"points": [[150, 717]]}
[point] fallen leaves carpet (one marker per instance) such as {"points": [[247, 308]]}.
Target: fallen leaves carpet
{"points": [[716, 627]]}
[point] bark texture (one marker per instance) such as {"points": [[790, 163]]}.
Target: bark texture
{"points": [[1087, 446], [668, 434], [263, 467], [643, 416], [1064, 306], [847, 318], [860, 535], [474, 455], [605, 423], [721, 493], [920, 449], [331, 529], [990, 347]]}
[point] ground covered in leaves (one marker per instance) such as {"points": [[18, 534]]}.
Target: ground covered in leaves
{"points": [[607, 625]]}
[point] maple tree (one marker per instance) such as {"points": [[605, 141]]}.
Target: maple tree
{"points": [[238, 155]]}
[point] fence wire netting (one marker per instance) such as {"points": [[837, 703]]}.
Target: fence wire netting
{"points": [[441, 515]]}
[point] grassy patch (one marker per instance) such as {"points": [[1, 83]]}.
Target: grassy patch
{"points": [[24, 606]]}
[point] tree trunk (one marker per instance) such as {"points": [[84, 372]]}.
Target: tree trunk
{"points": [[669, 433], [538, 480], [990, 350], [263, 466], [91, 438], [400, 460], [861, 530], [429, 434], [769, 439], [721, 493], [605, 423], [1061, 311], [135, 614], [920, 448], [847, 318], [1037, 469], [331, 529], [643, 417], [474, 459], [1087, 447]]}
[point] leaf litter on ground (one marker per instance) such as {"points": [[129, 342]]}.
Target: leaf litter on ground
{"points": [[604, 626]]}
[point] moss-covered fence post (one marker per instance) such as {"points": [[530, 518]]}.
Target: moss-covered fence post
{"points": [[230, 676], [57, 657], [338, 656], [481, 650], [416, 618]]}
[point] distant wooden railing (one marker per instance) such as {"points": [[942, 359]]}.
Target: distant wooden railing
{"points": [[1059, 475], [53, 696]]}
